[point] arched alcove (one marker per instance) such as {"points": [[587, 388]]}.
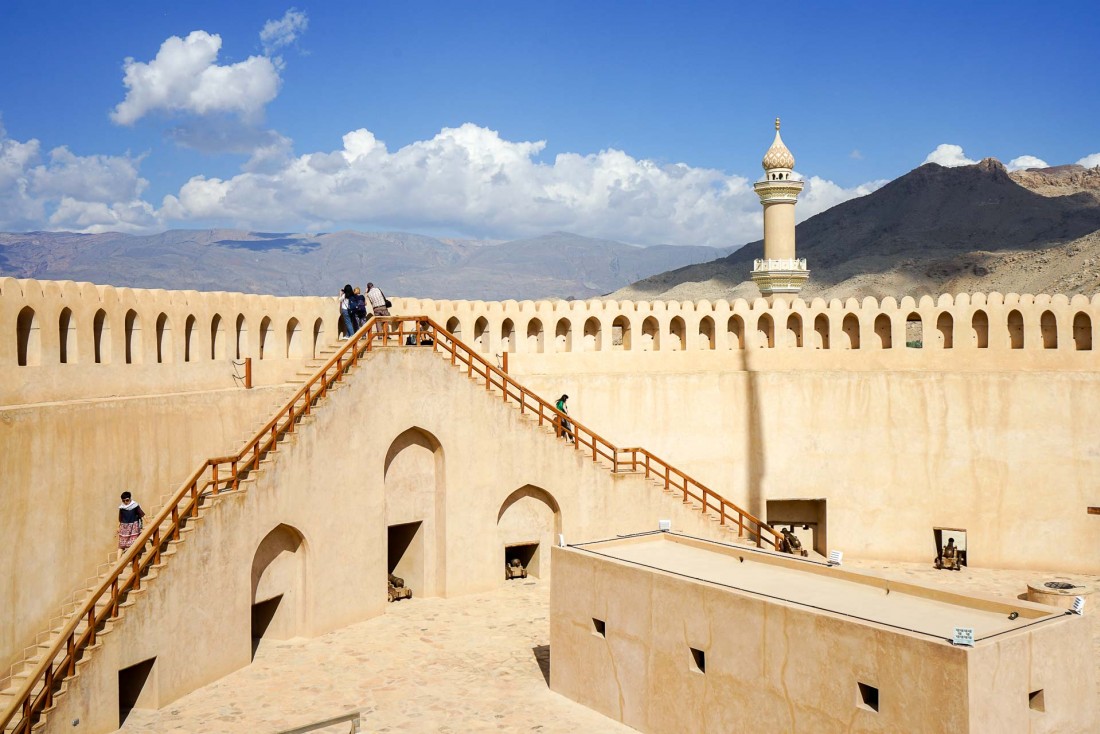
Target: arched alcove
{"points": [[706, 333], [415, 511], [563, 336], [850, 328], [735, 332], [481, 335], [101, 337], [28, 339], [945, 325], [794, 330], [266, 328], [821, 331], [534, 336], [651, 335], [318, 332], [294, 339], [1048, 329], [1082, 332], [241, 329], [454, 326], [527, 523], [508, 336], [592, 335], [1015, 326], [765, 331], [188, 338], [677, 332], [279, 587], [132, 334], [66, 337], [217, 337], [979, 330], [165, 353], [620, 333], [884, 330]]}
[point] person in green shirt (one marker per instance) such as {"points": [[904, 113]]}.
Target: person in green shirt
{"points": [[564, 429]]}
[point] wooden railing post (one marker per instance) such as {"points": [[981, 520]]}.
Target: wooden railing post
{"points": [[248, 373]]}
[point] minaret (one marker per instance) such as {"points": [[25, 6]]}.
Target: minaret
{"points": [[779, 273]]}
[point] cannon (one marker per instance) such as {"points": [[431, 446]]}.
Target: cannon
{"points": [[791, 544], [515, 570], [397, 589]]}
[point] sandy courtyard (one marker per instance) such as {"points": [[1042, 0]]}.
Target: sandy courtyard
{"points": [[469, 664]]}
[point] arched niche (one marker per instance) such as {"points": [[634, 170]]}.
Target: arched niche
{"points": [[295, 346], [821, 331], [677, 332], [1082, 332], [850, 328], [620, 333], [1015, 325], [481, 335], [563, 336], [165, 352], [318, 333], [189, 338], [267, 327], [454, 326], [279, 590], [979, 330], [67, 352], [1048, 330], [528, 521], [132, 338], [651, 335], [706, 333], [884, 331], [101, 337], [534, 336], [794, 330], [241, 337], [735, 332], [217, 337], [593, 335], [28, 338], [945, 327], [765, 331], [508, 336], [415, 511]]}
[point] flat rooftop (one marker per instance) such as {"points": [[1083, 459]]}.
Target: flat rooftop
{"points": [[861, 596]]}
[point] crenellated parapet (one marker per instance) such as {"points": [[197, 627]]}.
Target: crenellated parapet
{"points": [[994, 322], [128, 339]]}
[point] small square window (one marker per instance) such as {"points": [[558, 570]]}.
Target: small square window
{"points": [[868, 696], [698, 660], [599, 627], [1036, 700]]}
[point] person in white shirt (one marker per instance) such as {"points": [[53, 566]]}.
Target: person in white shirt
{"points": [[378, 302]]}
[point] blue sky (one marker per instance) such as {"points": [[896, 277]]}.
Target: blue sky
{"points": [[638, 121]]}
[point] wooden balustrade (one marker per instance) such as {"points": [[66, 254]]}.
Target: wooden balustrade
{"points": [[223, 474]]}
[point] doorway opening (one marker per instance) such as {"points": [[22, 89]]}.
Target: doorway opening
{"points": [[803, 517], [528, 556], [134, 691], [405, 554]]}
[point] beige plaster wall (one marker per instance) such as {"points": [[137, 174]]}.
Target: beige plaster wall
{"points": [[1009, 456], [64, 466], [774, 665], [196, 619]]}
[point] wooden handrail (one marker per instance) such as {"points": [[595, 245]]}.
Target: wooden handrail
{"points": [[59, 661]]}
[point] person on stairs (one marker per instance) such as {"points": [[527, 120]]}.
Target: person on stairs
{"points": [[130, 521], [564, 429]]}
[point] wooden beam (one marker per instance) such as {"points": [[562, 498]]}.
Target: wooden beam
{"points": [[1094, 510]]}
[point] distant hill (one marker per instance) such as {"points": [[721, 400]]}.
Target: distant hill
{"points": [[933, 230], [558, 265]]}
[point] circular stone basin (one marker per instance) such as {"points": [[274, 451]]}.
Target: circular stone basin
{"points": [[1057, 592]]}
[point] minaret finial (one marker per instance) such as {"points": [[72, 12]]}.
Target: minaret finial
{"points": [[777, 124]]}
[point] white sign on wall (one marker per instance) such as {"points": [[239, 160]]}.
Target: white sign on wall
{"points": [[964, 636], [835, 557], [1078, 605]]}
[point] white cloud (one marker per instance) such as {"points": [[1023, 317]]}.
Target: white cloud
{"points": [[856, 155], [185, 78], [82, 193], [471, 180], [277, 34], [1090, 161], [949, 155], [821, 194], [1026, 161]]}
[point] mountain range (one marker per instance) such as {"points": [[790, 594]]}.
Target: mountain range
{"points": [[556, 265]]}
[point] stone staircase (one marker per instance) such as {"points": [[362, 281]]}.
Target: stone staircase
{"points": [[12, 687]]}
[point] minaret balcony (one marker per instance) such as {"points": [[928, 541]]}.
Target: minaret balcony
{"points": [[782, 265]]}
